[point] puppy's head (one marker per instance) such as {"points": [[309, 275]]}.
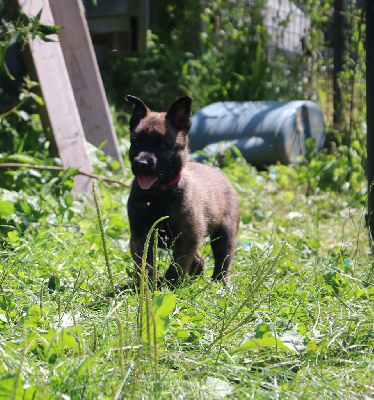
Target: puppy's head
{"points": [[159, 142]]}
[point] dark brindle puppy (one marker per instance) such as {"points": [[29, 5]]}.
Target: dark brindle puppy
{"points": [[198, 199]]}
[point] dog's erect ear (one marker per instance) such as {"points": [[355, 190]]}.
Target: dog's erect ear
{"points": [[139, 111], [179, 113]]}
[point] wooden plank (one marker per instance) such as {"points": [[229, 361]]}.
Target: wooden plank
{"points": [[59, 98], [370, 117], [84, 75]]}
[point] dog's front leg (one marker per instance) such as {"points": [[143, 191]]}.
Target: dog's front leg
{"points": [[184, 256], [137, 250]]}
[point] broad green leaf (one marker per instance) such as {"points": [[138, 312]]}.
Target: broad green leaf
{"points": [[11, 387], [38, 99], [61, 340], [115, 165], [7, 303], [6, 208], [268, 340], [48, 30], [13, 238], [264, 337], [50, 345], [198, 320], [182, 334], [313, 346], [72, 171], [33, 317], [117, 221], [163, 304], [24, 18]]}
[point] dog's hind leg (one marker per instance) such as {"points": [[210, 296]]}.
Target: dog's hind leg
{"points": [[223, 247]]}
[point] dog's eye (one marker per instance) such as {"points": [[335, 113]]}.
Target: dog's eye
{"points": [[164, 144], [135, 142]]}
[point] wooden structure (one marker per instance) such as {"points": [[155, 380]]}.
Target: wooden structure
{"points": [[71, 86], [119, 25], [84, 75], [370, 115]]}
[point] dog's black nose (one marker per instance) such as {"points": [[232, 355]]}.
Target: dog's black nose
{"points": [[144, 163], [141, 163]]}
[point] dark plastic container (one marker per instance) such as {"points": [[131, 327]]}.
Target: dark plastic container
{"points": [[264, 132]]}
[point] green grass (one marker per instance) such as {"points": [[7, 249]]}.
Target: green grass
{"points": [[297, 322]]}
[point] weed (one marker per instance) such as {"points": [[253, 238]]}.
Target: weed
{"points": [[297, 318]]}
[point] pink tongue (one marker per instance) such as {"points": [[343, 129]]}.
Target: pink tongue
{"points": [[145, 182]]}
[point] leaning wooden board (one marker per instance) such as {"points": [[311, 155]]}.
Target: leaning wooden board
{"points": [[84, 75], [59, 98]]}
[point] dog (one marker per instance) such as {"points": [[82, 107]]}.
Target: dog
{"points": [[198, 199]]}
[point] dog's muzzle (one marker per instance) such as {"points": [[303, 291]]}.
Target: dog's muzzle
{"points": [[143, 163]]}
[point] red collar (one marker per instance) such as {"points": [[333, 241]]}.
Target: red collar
{"points": [[174, 181]]}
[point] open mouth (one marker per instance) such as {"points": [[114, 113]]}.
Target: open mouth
{"points": [[145, 182]]}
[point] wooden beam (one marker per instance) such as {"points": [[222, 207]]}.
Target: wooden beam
{"points": [[84, 75], [339, 34], [59, 98], [370, 116]]}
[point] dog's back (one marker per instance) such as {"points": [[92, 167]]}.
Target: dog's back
{"points": [[213, 195]]}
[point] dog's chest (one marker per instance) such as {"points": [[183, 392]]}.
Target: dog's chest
{"points": [[155, 209], [151, 208]]}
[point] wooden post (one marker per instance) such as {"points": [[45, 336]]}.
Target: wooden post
{"points": [[370, 114], [338, 60], [59, 98], [84, 75]]}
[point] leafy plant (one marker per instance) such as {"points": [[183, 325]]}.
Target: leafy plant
{"points": [[297, 321], [300, 302], [230, 62], [12, 32]]}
